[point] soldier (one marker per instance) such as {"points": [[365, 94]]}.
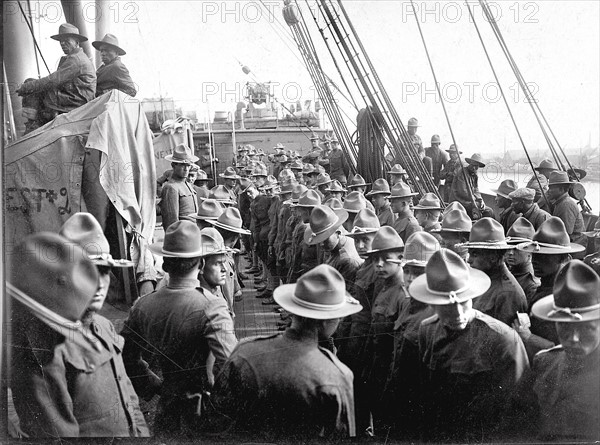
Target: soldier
{"points": [[335, 190], [183, 323], [519, 261], [402, 204], [222, 195], [397, 175], [401, 390], [279, 245], [178, 197], [288, 246], [593, 248], [455, 231], [565, 378], [470, 363], [72, 85], [260, 226], [206, 160], [229, 182], [112, 74], [354, 203], [546, 167], [539, 183], [304, 394], [413, 124], [379, 194], [468, 192], [321, 185], [304, 256], [565, 207], [357, 183], [487, 250], [449, 170], [297, 167], [192, 177], [67, 375], [338, 166], [209, 209], [427, 213], [523, 203], [438, 158], [503, 200]]}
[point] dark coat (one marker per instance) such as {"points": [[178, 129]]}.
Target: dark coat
{"points": [[178, 199], [114, 76]]}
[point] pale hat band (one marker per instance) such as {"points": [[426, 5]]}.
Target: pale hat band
{"points": [[363, 230], [321, 307], [315, 234], [451, 295], [52, 319], [107, 257], [556, 310]]}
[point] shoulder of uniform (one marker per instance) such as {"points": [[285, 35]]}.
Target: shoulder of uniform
{"points": [[550, 351], [430, 320], [492, 323]]}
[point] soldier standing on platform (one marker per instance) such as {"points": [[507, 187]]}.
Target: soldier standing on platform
{"points": [[519, 261], [112, 74], [438, 158], [449, 170], [468, 192], [413, 124], [229, 182], [565, 207], [338, 166], [379, 194], [427, 213], [455, 231]]}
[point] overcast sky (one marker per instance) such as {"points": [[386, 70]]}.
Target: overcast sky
{"points": [[190, 50]]}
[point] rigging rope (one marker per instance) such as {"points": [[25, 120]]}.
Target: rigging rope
{"points": [[34, 39], [505, 101]]}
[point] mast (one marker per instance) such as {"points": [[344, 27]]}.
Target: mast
{"points": [[74, 14], [102, 24]]}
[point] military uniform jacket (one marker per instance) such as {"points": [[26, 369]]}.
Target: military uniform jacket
{"points": [[73, 84], [345, 260], [536, 216], [114, 76], [567, 396], [406, 227], [273, 221], [460, 190], [507, 217], [181, 324], [303, 394], [178, 201], [385, 215], [566, 209], [66, 389], [284, 215], [504, 298], [338, 167], [438, 159], [260, 217], [468, 376], [524, 275]]}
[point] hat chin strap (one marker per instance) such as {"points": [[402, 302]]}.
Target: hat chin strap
{"points": [[57, 322], [452, 295], [557, 310]]}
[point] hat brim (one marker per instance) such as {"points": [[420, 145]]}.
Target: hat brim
{"points": [[109, 261], [447, 230], [504, 195], [531, 246], [364, 231], [545, 306], [181, 161], [202, 217], [372, 193], [397, 173], [487, 246], [418, 207], [157, 249], [311, 240], [473, 161], [222, 175], [99, 43], [387, 249], [283, 296], [560, 183], [410, 195], [479, 283], [59, 37], [233, 229], [351, 186], [454, 151]]}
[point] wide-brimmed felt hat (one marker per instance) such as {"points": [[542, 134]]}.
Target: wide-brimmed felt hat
{"points": [[333, 139], [109, 40], [521, 231], [456, 221], [453, 149], [386, 240], [594, 233], [524, 193], [576, 173], [413, 122], [323, 223], [429, 201], [55, 273], [402, 190], [260, 170], [536, 180], [310, 198], [245, 184], [182, 240], [208, 209], [230, 220], [84, 230], [335, 186], [286, 175], [454, 205], [68, 30], [313, 154], [575, 298], [357, 181], [448, 280], [365, 222], [182, 154], [506, 187], [319, 294], [323, 179], [219, 193], [487, 233], [270, 183], [286, 188], [307, 169], [355, 202], [476, 159], [397, 169], [380, 187], [546, 164], [229, 173], [297, 192], [419, 247], [334, 204], [559, 177], [297, 165], [212, 242], [551, 238]]}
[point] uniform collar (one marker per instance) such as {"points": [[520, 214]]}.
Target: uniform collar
{"points": [[180, 283]]}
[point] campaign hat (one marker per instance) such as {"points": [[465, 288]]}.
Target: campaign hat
{"points": [[506, 187], [357, 181], [596, 232], [323, 179], [355, 202], [453, 149], [521, 231], [229, 173], [335, 186], [402, 190], [182, 154], [476, 159], [68, 30], [380, 187], [419, 247], [429, 201], [455, 221], [448, 280], [487, 233], [182, 240], [219, 193], [310, 198], [575, 297], [386, 240], [365, 222], [334, 204], [397, 169], [109, 40], [208, 209], [212, 242], [559, 177], [84, 230], [413, 122], [319, 294], [454, 205], [551, 238], [323, 223], [577, 173], [230, 220], [296, 165], [546, 164], [297, 191]]}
